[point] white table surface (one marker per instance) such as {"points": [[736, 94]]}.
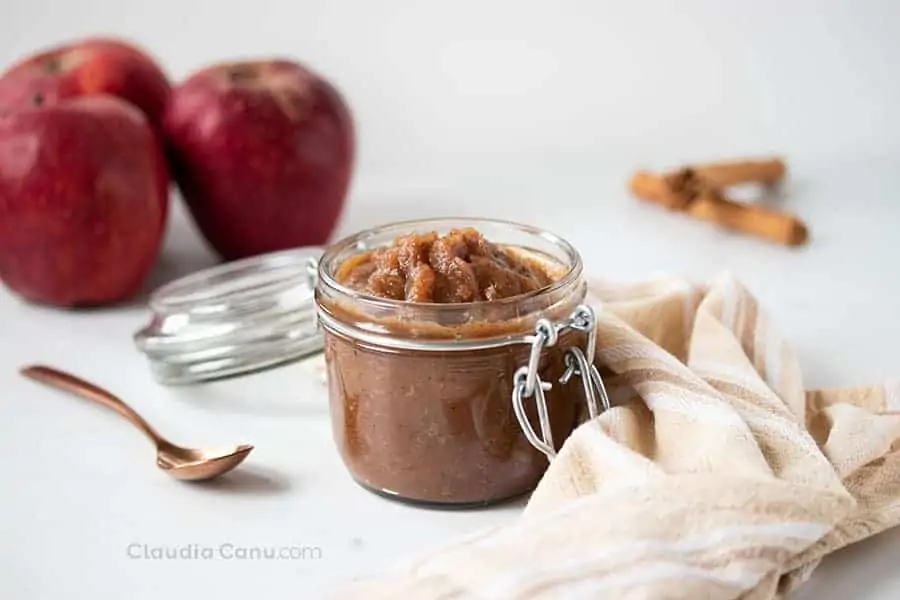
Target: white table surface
{"points": [[503, 109], [80, 485]]}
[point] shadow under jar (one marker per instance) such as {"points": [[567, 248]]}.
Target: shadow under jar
{"points": [[422, 394]]}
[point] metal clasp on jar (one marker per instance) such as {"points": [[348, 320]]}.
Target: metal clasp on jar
{"points": [[527, 381]]}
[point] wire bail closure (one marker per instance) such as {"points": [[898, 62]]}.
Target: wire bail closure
{"points": [[527, 381]]}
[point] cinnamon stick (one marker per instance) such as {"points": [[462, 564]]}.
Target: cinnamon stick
{"points": [[673, 190], [766, 223], [725, 174], [704, 201]]}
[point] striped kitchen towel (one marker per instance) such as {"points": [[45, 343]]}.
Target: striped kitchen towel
{"points": [[716, 475]]}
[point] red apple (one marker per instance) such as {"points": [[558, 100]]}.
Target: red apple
{"points": [[83, 196], [263, 154], [89, 66]]}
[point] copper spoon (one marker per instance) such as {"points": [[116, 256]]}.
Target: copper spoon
{"points": [[181, 463]]}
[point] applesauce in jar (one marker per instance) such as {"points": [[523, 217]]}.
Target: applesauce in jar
{"points": [[445, 344]]}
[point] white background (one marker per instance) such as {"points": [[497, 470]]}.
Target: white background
{"points": [[533, 111]]}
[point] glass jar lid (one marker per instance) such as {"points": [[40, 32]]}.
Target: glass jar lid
{"points": [[234, 318]]}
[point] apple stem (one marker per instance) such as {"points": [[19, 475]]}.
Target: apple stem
{"points": [[38, 99], [53, 65], [240, 74]]}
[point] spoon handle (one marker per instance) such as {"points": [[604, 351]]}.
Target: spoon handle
{"points": [[75, 385]]}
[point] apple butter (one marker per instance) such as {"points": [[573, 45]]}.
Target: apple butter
{"points": [[426, 325], [460, 266]]}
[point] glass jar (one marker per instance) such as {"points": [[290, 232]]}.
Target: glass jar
{"points": [[442, 403]]}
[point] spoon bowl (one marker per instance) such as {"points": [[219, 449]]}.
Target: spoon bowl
{"points": [[191, 464], [186, 464]]}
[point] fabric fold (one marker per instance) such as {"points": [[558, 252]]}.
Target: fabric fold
{"points": [[717, 474]]}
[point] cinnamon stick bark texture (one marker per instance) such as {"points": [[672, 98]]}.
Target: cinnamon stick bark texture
{"points": [[661, 189], [746, 171], [704, 201], [681, 187], [762, 222]]}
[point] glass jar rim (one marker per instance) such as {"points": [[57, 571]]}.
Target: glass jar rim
{"points": [[209, 286], [573, 273]]}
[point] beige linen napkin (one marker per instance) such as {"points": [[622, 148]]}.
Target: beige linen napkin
{"points": [[717, 475]]}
